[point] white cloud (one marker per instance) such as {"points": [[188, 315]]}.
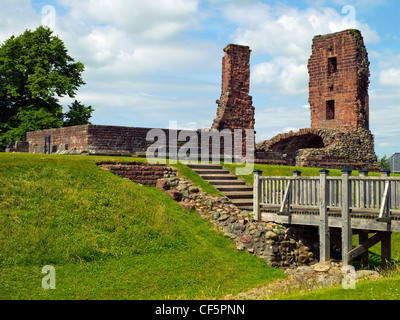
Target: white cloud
{"points": [[390, 77], [285, 30], [16, 17], [156, 19], [288, 129], [274, 119], [284, 75]]}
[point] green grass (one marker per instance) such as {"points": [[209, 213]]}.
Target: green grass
{"points": [[192, 176], [387, 288], [181, 168], [108, 238]]}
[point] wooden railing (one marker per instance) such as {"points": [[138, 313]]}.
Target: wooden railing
{"points": [[323, 194]]}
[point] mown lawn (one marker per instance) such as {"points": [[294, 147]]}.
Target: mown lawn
{"points": [[108, 238], [387, 288]]}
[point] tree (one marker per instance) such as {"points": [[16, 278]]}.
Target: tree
{"points": [[384, 163], [77, 115], [35, 69]]}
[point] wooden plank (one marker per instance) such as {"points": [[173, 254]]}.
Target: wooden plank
{"points": [[386, 250], [372, 194], [360, 249], [285, 201], [324, 236], [256, 196], [384, 210], [273, 192], [362, 238], [269, 191], [333, 222], [346, 221]]}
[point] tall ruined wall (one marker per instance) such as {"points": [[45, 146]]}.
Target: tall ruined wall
{"points": [[338, 82], [338, 95], [235, 110]]}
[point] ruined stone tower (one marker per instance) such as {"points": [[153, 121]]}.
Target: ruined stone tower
{"points": [[338, 96], [338, 83], [235, 110]]}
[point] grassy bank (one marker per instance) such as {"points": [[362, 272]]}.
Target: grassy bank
{"points": [[108, 238]]}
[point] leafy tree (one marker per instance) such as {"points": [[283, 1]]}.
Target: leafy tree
{"points": [[384, 163], [77, 115], [35, 69]]}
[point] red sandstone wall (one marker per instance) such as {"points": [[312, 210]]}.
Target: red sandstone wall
{"points": [[144, 174], [117, 138], [235, 110], [75, 137], [111, 140], [347, 86]]}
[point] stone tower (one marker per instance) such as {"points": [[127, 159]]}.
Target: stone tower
{"points": [[235, 110], [338, 82]]}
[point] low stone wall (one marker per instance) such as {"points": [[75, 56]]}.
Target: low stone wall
{"points": [[18, 147], [69, 138], [322, 148], [120, 141], [141, 173], [279, 245]]}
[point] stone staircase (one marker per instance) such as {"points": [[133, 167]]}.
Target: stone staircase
{"points": [[235, 189]]}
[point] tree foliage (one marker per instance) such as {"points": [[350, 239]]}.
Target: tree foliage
{"points": [[35, 70], [384, 163], [77, 115]]}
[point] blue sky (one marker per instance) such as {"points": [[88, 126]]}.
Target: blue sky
{"points": [[155, 61]]}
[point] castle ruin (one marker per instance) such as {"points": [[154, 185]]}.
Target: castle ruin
{"points": [[338, 96]]}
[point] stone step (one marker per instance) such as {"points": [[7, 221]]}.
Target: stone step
{"points": [[243, 203], [245, 207], [239, 195], [231, 188], [221, 177], [235, 189], [237, 182], [211, 171], [196, 166]]}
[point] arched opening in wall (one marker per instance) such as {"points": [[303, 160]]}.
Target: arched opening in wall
{"points": [[294, 143]]}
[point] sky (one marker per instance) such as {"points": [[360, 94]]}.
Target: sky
{"points": [[151, 62]]}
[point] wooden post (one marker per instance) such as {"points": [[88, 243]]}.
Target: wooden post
{"points": [[346, 220], [296, 187], [386, 252], [384, 213], [362, 238], [256, 195], [362, 197], [324, 238]]}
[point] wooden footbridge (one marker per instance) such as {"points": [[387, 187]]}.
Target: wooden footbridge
{"points": [[355, 204]]}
